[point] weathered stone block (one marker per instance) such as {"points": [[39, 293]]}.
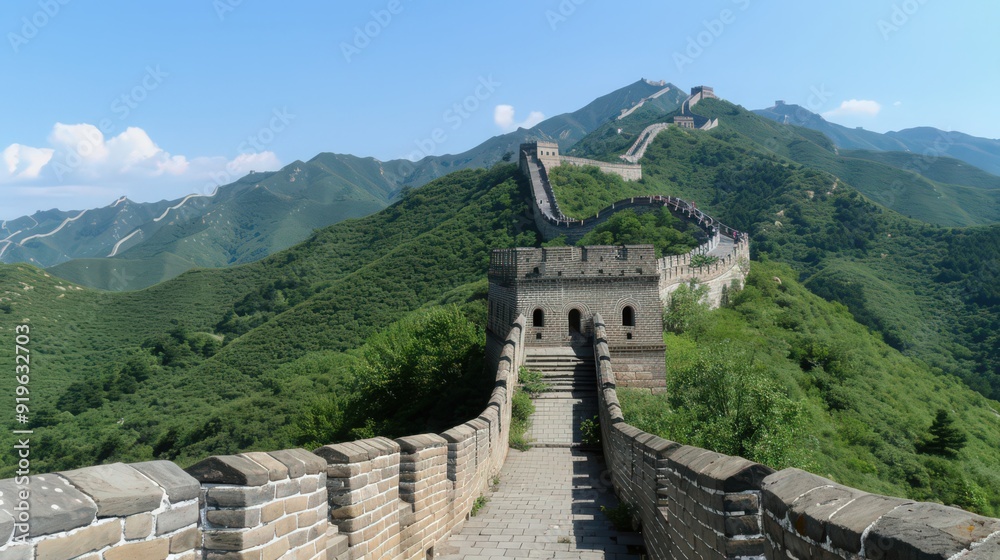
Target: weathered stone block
{"points": [[185, 540], [80, 542], [781, 489], [156, 549], [237, 539], [927, 531], [241, 518], [294, 464], [138, 526], [56, 505], [238, 496], [177, 518], [847, 525], [229, 469], [117, 489], [275, 469], [742, 525], [179, 485], [748, 503]]}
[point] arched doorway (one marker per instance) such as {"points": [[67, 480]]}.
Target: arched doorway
{"points": [[538, 318], [628, 316], [574, 321]]}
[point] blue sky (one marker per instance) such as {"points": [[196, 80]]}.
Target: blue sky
{"points": [[159, 99]]}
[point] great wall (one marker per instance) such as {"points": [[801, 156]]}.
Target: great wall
{"points": [[412, 497]]}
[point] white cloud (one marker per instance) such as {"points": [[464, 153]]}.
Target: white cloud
{"points": [[897, 104], [23, 162], [855, 108], [81, 168], [503, 116]]}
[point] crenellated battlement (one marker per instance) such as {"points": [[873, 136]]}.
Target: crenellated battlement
{"points": [[571, 262]]}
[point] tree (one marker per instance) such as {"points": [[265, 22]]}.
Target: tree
{"points": [[943, 437]]}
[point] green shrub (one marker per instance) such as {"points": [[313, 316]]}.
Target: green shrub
{"points": [[531, 381], [521, 410], [590, 431]]}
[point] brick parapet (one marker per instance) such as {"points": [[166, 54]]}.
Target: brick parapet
{"points": [[695, 503], [375, 498]]}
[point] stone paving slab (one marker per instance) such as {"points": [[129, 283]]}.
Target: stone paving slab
{"points": [[557, 421], [547, 506]]}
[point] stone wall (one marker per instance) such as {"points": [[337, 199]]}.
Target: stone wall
{"points": [[676, 270], [377, 498], [627, 171], [695, 503], [111, 512]]}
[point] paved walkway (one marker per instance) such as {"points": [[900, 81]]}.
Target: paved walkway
{"points": [[549, 427], [548, 505]]}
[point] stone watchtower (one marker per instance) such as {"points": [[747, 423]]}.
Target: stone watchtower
{"points": [[559, 289]]}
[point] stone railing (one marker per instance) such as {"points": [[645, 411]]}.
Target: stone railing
{"points": [[627, 171], [695, 503], [677, 269], [375, 498], [646, 137]]}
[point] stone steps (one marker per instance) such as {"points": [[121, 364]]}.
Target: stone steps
{"points": [[569, 372]]}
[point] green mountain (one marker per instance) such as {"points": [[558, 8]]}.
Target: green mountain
{"points": [[266, 354], [927, 142], [929, 291], [128, 245], [947, 193]]}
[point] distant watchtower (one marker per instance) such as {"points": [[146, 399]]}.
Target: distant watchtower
{"points": [[559, 289]]}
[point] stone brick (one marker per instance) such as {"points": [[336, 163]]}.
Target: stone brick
{"points": [[782, 488], [117, 489], [229, 469], [270, 512], [275, 469], [56, 506], [185, 540], [79, 542], [847, 525], [742, 525], [810, 513], [241, 518], [138, 526], [748, 503], [18, 552], [156, 549], [285, 525], [275, 550], [237, 540], [179, 485], [313, 463], [927, 531], [6, 519], [177, 518], [238, 496]]}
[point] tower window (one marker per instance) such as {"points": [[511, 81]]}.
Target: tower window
{"points": [[628, 316], [538, 318]]}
